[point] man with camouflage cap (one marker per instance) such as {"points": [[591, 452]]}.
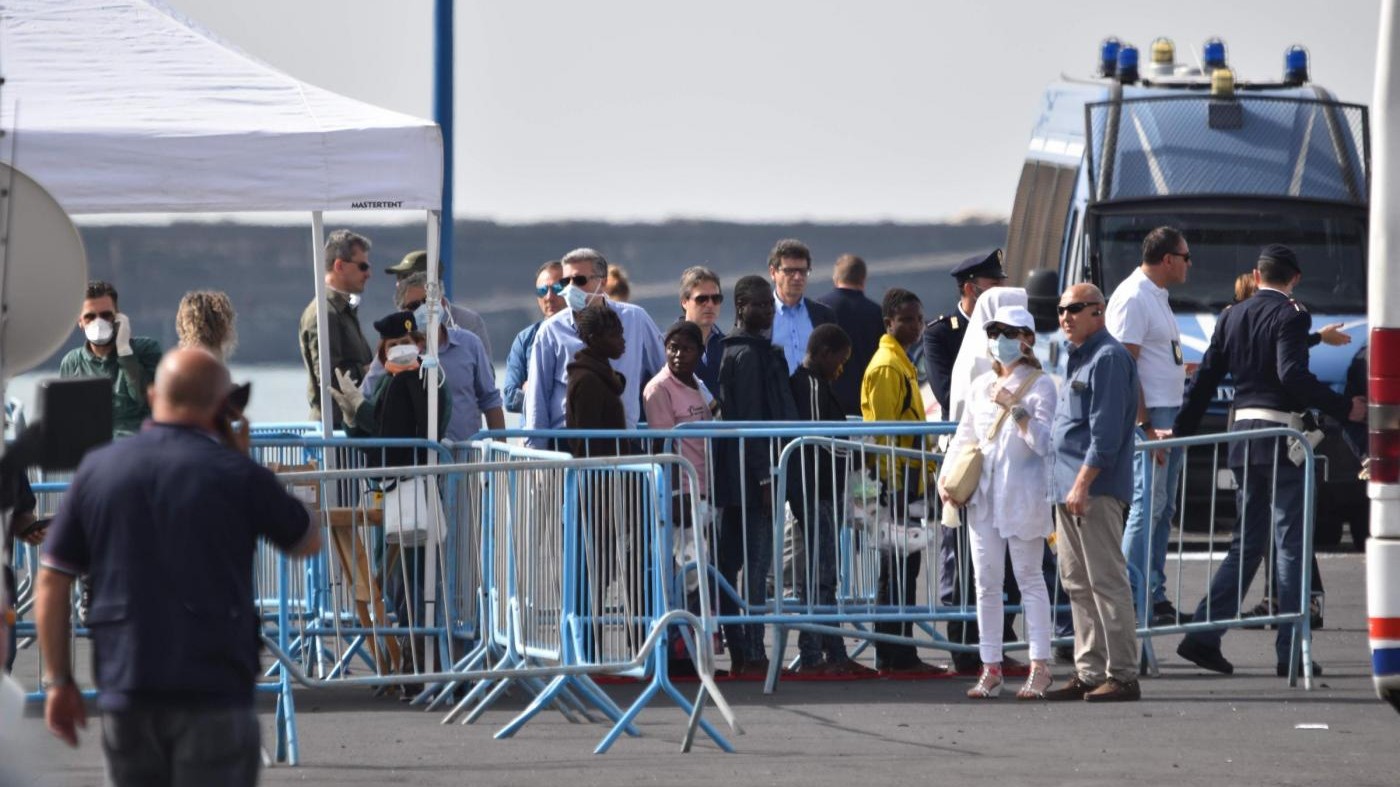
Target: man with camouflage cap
{"points": [[417, 262]]}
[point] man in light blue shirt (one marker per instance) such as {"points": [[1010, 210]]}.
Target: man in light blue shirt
{"points": [[790, 265], [556, 342]]}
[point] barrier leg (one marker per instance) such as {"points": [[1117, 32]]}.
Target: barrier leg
{"points": [[545, 697], [775, 664]]}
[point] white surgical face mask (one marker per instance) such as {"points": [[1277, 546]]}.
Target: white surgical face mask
{"points": [[575, 297], [401, 354], [99, 331], [420, 316], [1008, 350]]}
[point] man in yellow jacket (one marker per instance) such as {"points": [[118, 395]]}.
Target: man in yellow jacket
{"points": [[889, 391]]}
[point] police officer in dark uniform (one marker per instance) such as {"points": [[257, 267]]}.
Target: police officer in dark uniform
{"points": [[1263, 343], [943, 338]]}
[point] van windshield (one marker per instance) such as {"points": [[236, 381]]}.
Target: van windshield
{"points": [[1331, 247]]}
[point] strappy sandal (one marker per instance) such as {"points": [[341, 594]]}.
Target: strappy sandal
{"points": [[1036, 684], [988, 684]]}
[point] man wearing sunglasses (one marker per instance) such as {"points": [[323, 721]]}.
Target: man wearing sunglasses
{"points": [[111, 351], [700, 301], [549, 285], [347, 271], [452, 314], [1092, 480], [1140, 316], [557, 341]]}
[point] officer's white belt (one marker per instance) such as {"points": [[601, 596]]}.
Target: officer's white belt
{"points": [[1291, 420]]}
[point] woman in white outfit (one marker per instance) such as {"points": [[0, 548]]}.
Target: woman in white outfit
{"points": [[1010, 509]]}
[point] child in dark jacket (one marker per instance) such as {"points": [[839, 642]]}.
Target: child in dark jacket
{"points": [[816, 484], [593, 398], [754, 386], [608, 544]]}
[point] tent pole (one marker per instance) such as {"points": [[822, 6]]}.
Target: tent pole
{"points": [[323, 345], [443, 33], [435, 609], [435, 294]]}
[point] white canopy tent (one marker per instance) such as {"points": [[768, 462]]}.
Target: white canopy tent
{"points": [[125, 106]]}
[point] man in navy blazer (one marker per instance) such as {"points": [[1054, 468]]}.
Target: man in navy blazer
{"points": [[862, 321], [790, 265]]}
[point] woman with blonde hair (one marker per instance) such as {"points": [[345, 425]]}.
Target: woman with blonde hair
{"points": [[206, 319]]}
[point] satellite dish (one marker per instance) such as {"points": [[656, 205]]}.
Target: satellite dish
{"points": [[44, 272]]}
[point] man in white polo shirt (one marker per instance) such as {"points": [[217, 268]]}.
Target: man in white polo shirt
{"points": [[1140, 317]]}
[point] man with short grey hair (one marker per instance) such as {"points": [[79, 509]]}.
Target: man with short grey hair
{"points": [[347, 272], [585, 272]]}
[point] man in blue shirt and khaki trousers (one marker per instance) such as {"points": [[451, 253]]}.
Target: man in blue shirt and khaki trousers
{"points": [[1093, 482]]}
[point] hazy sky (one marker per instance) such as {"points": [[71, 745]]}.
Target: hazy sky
{"points": [[616, 109]]}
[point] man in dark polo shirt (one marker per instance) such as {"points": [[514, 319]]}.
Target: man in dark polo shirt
{"points": [[165, 524]]}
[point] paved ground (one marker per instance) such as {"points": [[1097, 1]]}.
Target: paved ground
{"points": [[1190, 728]]}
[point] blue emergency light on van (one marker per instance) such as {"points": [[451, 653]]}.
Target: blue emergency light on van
{"points": [[1295, 65], [1112, 158], [1213, 55], [1128, 64], [1108, 56]]}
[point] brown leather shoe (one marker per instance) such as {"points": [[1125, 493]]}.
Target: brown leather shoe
{"points": [[1076, 689], [1114, 690]]}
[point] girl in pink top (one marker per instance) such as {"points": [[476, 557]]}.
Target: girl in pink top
{"points": [[676, 396]]}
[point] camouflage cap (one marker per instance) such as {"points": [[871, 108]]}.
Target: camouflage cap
{"points": [[412, 262]]}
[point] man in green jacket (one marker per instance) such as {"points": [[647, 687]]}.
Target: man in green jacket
{"points": [[347, 272], [112, 352]]}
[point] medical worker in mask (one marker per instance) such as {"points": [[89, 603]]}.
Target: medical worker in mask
{"points": [[557, 341], [111, 351], [1008, 414]]}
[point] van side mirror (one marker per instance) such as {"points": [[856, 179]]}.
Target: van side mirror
{"points": [[1042, 296]]}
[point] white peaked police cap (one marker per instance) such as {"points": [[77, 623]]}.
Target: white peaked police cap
{"points": [[1015, 316]]}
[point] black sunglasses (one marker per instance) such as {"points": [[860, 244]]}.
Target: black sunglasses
{"points": [[413, 307], [578, 281], [995, 330], [363, 266], [716, 299], [556, 288], [1076, 307], [1186, 256]]}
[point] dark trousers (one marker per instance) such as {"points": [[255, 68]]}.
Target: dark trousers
{"points": [[751, 549], [1268, 510], [818, 527], [899, 586], [182, 748]]}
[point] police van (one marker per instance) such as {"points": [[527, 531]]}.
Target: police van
{"points": [[1234, 165]]}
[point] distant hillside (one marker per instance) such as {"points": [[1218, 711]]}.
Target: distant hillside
{"points": [[268, 272]]}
